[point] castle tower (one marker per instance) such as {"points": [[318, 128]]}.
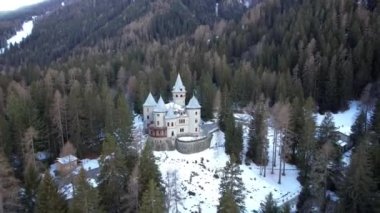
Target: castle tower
{"points": [[148, 108], [159, 114], [193, 109], [179, 92]]}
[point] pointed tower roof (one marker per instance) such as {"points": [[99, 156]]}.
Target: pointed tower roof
{"points": [[193, 103], [170, 114], [160, 106], [150, 101], [178, 86]]}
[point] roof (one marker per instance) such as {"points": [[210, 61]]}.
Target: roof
{"points": [[160, 106], [150, 101], [170, 114], [193, 103], [67, 159], [178, 86]]}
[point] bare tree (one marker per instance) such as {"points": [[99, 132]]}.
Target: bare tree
{"points": [[57, 111], [28, 146], [173, 195]]}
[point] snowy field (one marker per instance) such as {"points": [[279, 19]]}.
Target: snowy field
{"points": [[344, 120], [199, 184]]}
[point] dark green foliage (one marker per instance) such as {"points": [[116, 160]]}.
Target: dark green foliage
{"points": [[148, 170], [31, 180], [258, 142], [327, 132], [227, 203], [269, 205], [153, 200], [48, 199], [86, 198], [207, 90], [225, 113], [359, 128], [113, 176], [358, 191], [231, 188]]}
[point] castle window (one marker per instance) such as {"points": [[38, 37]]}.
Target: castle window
{"points": [[196, 129], [176, 96], [158, 123], [181, 130], [172, 133], [147, 117], [172, 124], [196, 120], [158, 115], [168, 123], [181, 121], [196, 113], [181, 96]]}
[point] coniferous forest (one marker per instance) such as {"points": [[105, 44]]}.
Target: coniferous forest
{"points": [[75, 84]]}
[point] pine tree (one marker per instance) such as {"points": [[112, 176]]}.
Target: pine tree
{"points": [[358, 191], [327, 132], [269, 205], [232, 183], [31, 180], [227, 203], [113, 176], [225, 110], [148, 170], [258, 142], [359, 128], [48, 198], [123, 122], [152, 199], [86, 198]]}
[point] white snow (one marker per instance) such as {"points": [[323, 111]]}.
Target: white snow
{"points": [[67, 191], [344, 120], [190, 138], [67, 159], [92, 182], [346, 158], [90, 164], [196, 174], [20, 35]]}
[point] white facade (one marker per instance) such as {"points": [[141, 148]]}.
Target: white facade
{"points": [[174, 118]]}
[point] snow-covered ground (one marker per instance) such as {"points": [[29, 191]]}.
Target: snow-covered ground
{"points": [[198, 176], [344, 120], [26, 30]]}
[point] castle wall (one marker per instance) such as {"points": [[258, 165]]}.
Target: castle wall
{"points": [[190, 147]]}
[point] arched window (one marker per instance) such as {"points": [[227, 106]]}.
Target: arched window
{"points": [[176, 96], [196, 113], [181, 96], [168, 123], [196, 120], [172, 124], [196, 129], [147, 117], [172, 133]]}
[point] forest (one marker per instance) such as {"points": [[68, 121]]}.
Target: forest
{"points": [[86, 69]]}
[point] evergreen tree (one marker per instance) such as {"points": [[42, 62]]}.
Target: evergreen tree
{"points": [[327, 132], [48, 198], [227, 203], [258, 142], [358, 191], [123, 122], [153, 200], [207, 96], [113, 177], [225, 113], [269, 205], [148, 170], [234, 138], [232, 185], [31, 180], [359, 128], [86, 198]]}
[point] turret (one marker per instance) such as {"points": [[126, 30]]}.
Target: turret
{"points": [[193, 109], [148, 107], [159, 113], [179, 92]]}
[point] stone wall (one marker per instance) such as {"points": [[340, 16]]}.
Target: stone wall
{"points": [[162, 144], [190, 147]]}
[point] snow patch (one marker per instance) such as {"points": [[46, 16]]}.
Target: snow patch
{"points": [[90, 164], [343, 120], [67, 191], [26, 30]]}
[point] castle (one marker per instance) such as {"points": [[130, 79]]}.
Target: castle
{"points": [[169, 121]]}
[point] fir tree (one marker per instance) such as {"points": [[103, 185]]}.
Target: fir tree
{"points": [[48, 198], [153, 200], [31, 180], [86, 198], [225, 110], [148, 170], [269, 205], [359, 128], [327, 132], [358, 192], [113, 176], [258, 142], [227, 203], [232, 183]]}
